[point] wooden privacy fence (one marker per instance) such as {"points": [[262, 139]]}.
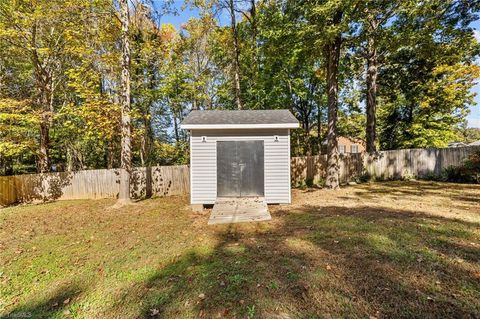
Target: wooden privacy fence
{"points": [[394, 164], [175, 180], [92, 184]]}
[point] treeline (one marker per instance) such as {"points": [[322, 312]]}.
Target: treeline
{"points": [[396, 73]]}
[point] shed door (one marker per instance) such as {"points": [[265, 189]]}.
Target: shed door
{"points": [[240, 168]]}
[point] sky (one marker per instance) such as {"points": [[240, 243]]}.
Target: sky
{"points": [[185, 14], [474, 117]]}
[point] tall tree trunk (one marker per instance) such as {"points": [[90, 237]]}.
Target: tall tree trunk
{"points": [[110, 154], [306, 137], [333, 57], [255, 72], [142, 150], [372, 71], [253, 15], [236, 60], [148, 120], [319, 129], [175, 128], [69, 156], [44, 158], [147, 140], [126, 153], [43, 102]]}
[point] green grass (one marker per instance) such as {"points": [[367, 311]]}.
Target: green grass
{"points": [[396, 249]]}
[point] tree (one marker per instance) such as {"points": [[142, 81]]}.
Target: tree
{"points": [[195, 48], [63, 90], [38, 36], [377, 14], [332, 54], [44, 47], [470, 135], [331, 19], [214, 8], [236, 54], [426, 83], [151, 43], [126, 153]]}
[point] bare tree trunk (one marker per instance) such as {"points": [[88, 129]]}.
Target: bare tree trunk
{"points": [[110, 155], [142, 151], [44, 103], [372, 71], [333, 57], [253, 15], [253, 20], [319, 130], [306, 137], [69, 167], [175, 128], [236, 60], [126, 153], [147, 140], [44, 158]]}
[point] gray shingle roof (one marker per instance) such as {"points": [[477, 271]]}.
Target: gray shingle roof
{"points": [[240, 117]]}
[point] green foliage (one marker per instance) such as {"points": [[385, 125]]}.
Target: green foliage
{"points": [[251, 312], [427, 69], [168, 154], [469, 172], [426, 82], [469, 135]]}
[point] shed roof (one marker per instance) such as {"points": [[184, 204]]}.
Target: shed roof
{"points": [[225, 119]]}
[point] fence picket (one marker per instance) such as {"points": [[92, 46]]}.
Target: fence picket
{"points": [[175, 180], [383, 165]]}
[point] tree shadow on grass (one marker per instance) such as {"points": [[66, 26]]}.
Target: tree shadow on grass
{"points": [[233, 280], [402, 262], [414, 188], [51, 304], [320, 262]]}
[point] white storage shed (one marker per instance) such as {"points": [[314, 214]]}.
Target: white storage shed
{"points": [[240, 154]]}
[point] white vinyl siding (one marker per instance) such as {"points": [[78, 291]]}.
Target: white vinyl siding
{"points": [[203, 162]]}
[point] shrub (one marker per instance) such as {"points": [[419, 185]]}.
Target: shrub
{"points": [[309, 182], [300, 185], [469, 172], [431, 176], [365, 178]]}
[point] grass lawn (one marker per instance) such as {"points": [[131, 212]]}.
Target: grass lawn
{"points": [[383, 250]]}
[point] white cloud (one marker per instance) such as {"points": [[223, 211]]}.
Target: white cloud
{"points": [[474, 123], [476, 34]]}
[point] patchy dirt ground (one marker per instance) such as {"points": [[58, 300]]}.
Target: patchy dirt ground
{"points": [[382, 250]]}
